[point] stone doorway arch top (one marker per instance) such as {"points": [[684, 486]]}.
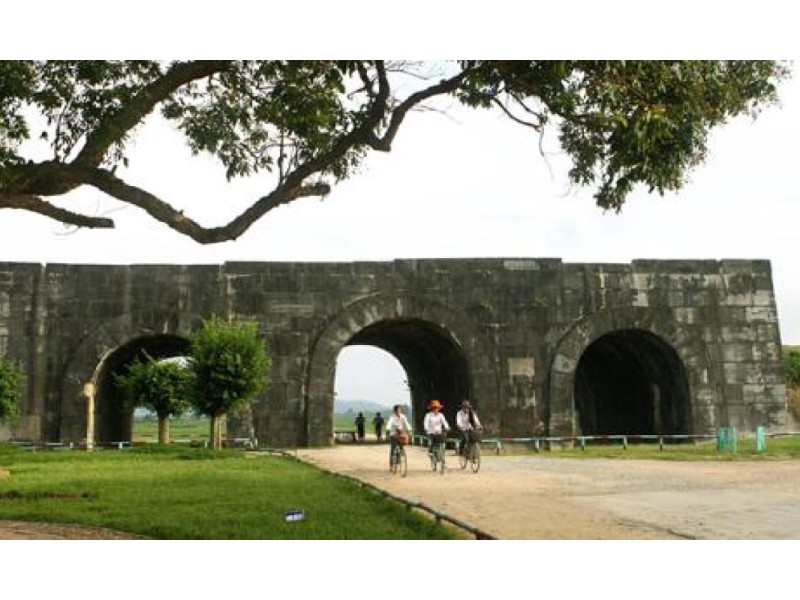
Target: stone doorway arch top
{"points": [[685, 340], [388, 321]]}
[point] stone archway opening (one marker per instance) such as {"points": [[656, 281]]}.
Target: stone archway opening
{"points": [[368, 380], [113, 420], [631, 382], [434, 363]]}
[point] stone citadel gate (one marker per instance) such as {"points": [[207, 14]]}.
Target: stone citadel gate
{"points": [[540, 346]]}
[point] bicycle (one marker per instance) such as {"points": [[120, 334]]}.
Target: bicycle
{"points": [[470, 452], [398, 462], [437, 452]]}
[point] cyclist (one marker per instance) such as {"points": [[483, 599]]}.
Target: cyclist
{"points": [[468, 424], [435, 425], [397, 428]]}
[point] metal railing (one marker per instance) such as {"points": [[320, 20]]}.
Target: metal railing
{"points": [[725, 437]]}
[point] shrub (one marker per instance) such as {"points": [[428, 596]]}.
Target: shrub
{"points": [[10, 390]]}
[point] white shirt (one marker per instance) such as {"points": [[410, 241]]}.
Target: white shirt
{"points": [[396, 424], [435, 423], [462, 420]]}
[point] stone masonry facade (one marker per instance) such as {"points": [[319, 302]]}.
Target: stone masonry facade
{"points": [[508, 333]]}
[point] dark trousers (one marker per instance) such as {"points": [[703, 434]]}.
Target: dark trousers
{"points": [[435, 438]]}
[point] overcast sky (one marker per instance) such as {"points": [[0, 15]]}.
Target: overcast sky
{"points": [[460, 184]]}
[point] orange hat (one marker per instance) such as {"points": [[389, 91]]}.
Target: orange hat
{"points": [[435, 404]]}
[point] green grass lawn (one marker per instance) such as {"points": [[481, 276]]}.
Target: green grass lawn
{"points": [[169, 493], [778, 448]]}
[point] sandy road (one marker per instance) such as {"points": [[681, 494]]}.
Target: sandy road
{"points": [[541, 497]]}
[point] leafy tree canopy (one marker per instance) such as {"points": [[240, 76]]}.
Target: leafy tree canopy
{"points": [[10, 390], [161, 386], [230, 366], [791, 363], [311, 123]]}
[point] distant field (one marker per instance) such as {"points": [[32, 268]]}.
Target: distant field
{"points": [[181, 428], [196, 428], [347, 422]]}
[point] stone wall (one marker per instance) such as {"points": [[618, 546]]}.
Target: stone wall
{"points": [[508, 333]]}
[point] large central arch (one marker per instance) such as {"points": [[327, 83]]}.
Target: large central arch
{"points": [[435, 363], [439, 349]]}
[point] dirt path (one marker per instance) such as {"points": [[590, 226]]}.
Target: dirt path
{"points": [[24, 530], [540, 497]]}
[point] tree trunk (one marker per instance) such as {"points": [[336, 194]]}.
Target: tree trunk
{"points": [[215, 438], [163, 429]]}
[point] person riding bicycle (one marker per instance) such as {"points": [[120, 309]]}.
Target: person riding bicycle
{"points": [[468, 424], [397, 428], [435, 425]]}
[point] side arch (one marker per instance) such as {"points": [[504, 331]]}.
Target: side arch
{"points": [[701, 375], [425, 335], [113, 421], [82, 375]]}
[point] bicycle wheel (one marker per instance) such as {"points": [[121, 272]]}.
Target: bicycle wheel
{"points": [[393, 462], [402, 464], [441, 458], [462, 456], [433, 456], [475, 457]]}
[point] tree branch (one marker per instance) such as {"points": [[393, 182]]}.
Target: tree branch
{"points": [[362, 72], [114, 129], [384, 144], [37, 205], [51, 177], [161, 211], [510, 115]]}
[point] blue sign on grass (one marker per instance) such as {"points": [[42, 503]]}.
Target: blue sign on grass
{"points": [[294, 515]]}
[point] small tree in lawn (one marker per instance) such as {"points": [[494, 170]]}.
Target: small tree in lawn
{"points": [[161, 386], [10, 390], [230, 366]]}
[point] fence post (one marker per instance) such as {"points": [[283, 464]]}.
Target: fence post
{"points": [[624, 442], [582, 441], [722, 439], [661, 443], [761, 440], [727, 440]]}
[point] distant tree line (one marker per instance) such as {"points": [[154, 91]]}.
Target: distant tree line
{"points": [[791, 365]]}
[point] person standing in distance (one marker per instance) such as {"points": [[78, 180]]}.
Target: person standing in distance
{"points": [[361, 426], [435, 425], [378, 423]]}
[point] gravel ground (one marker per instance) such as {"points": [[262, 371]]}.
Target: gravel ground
{"points": [[541, 498]]}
